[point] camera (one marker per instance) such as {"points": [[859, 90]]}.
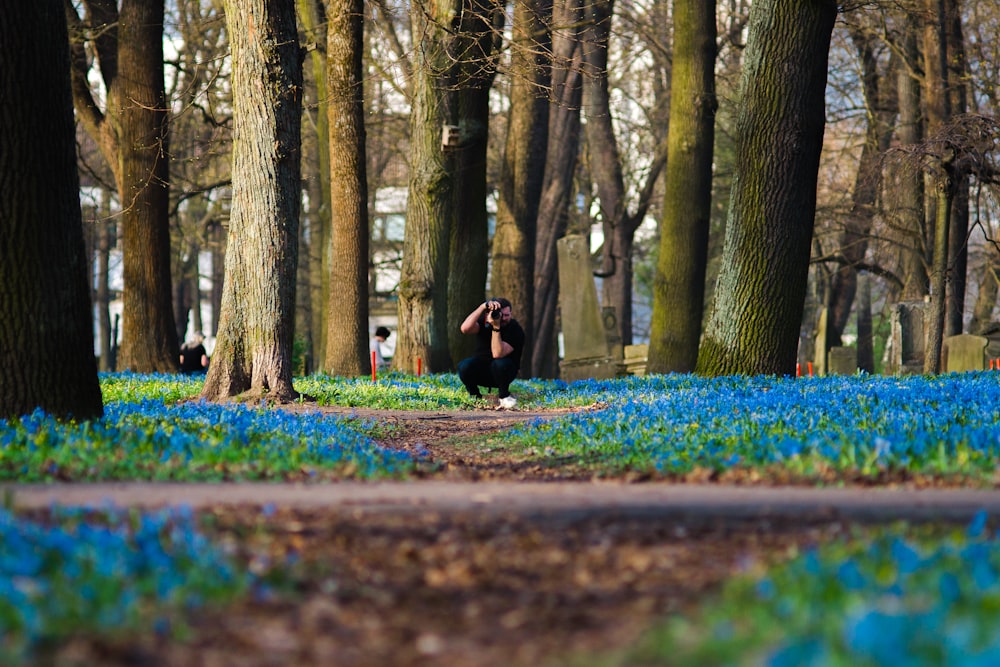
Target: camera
{"points": [[495, 315]]}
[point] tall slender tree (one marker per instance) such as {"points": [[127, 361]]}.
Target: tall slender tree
{"points": [[312, 18], [132, 134], [47, 359], [607, 170], [523, 166], [680, 275], [754, 327], [253, 354], [347, 309], [557, 188], [879, 91]]}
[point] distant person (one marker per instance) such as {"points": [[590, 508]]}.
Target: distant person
{"points": [[194, 358], [375, 345], [499, 344]]}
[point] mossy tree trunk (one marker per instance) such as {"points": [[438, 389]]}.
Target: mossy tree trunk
{"points": [[253, 353], [311, 16], [46, 340], [754, 328], [679, 288], [347, 309]]}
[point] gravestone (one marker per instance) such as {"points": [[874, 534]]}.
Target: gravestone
{"points": [[908, 338], [635, 358], [842, 360], [585, 344], [965, 352]]}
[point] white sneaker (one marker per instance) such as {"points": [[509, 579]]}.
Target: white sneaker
{"points": [[508, 402]]}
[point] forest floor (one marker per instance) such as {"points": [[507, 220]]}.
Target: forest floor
{"points": [[484, 584]]}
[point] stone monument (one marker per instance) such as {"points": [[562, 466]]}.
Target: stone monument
{"points": [[842, 360], [965, 352], [908, 338], [586, 354]]}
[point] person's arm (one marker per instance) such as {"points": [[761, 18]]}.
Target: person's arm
{"points": [[471, 323], [498, 346]]}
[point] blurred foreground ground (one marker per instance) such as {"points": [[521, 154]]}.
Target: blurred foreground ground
{"points": [[490, 562]]}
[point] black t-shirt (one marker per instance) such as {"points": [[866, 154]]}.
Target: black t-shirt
{"points": [[512, 334], [192, 357]]}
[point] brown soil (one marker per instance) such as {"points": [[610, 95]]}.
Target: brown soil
{"points": [[459, 589]]}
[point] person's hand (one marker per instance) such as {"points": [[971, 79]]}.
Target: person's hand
{"points": [[493, 316]]}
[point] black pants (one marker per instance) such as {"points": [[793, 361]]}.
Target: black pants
{"points": [[476, 372]]}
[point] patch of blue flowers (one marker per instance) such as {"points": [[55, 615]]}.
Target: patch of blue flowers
{"points": [[893, 600], [675, 423], [150, 439], [104, 571]]}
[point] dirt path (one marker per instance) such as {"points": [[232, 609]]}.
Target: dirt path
{"points": [[488, 562]]}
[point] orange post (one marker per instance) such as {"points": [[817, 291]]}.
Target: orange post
{"points": [[798, 370], [373, 365], [419, 360], [810, 369]]}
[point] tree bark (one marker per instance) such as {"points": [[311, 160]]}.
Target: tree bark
{"points": [[557, 187], [253, 354], [605, 163], [132, 135], [958, 264], [754, 328], [106, 234], [469, 244], [311, 12], [853, 240], [523, 166], [936, 312], [906, 196], [679, 288], [46, 341], [347, 335], [423, 285], [446, 217]]}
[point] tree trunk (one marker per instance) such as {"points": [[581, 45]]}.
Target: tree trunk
{"points": [[906, 197], [557, 187], [866, 342], [132, 136], [469, 245], [523, 167], [347, 336], [957, 283], [106, 235], [253, 354], [310, 13], [606, 170], [449, 88], [423, 285], [935, 316], [853, 240], [754, 328], [47, 336], [679, 289]]}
